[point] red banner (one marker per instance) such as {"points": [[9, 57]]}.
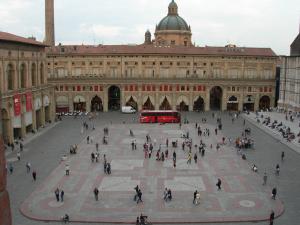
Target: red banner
{"points": [[17, 104], [28, 96]]}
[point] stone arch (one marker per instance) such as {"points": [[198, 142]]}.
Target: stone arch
{"points": [[62, 104], [23, 75], [148, 102], [232, 103], [132, 101], [264, 102], [165, 103], [248, 103], [10, 77], [182, 103], [199, 104], [114, 98], [79, 103], [5, 125], [33, 75], [215, 100], [96, 104]]}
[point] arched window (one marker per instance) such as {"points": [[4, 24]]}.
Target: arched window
{"points": [[23, 76], [42, 78], [10, 77], [33, 75]]}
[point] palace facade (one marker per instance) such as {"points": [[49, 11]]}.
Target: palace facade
{"points": [[27, 98], [168, 72]]}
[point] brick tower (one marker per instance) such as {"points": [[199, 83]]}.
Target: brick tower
{"points": [[49, 23], [5, 215]]}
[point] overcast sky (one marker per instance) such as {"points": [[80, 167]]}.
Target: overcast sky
{"points": [[251, 23]]}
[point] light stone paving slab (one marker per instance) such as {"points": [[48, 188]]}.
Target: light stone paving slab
{"points": [[120, 164], [189, 184], [118, 184]]}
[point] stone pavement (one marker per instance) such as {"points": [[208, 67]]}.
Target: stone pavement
{"points": [[242, 198], [280, 117]]}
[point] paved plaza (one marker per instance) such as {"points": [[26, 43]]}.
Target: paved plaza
{"points": [[242, 198]]}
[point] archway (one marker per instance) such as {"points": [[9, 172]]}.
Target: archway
{"points": [[131, 102], [62, 104], [96, 104], [264, 102], [182, 106], [232, 104], [198, 105], [5, 126], [79, 103], [248, 103], [148, 105], [165, 105], [114, 97], [216, 98]]}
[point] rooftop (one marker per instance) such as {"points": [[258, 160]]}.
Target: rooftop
{"points": [[154, 50], [18, 39]]}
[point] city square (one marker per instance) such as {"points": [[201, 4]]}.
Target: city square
{"points": [[144, 112], [242, 198]]}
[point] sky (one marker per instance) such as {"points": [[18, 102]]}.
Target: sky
{"points": [[246, 23]]}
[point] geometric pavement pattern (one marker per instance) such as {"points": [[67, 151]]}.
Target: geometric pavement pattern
{"points": [[242, 198]]}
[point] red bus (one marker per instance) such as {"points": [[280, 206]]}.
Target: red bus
{"points": [[160, 116]]}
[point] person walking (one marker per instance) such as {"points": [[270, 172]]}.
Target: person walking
{"points": [[97, 146], [282, 156], [272, 217], [21, 146], [34, 175], [195, 195], [265, 177], [11, 168], [189, 158], [96, 193], [56, 192], [139, 197], [62, 193], [19, 156], [28, 167], [67, 170], [219, 184], [274, 193], [277, 170], [195, 158]]}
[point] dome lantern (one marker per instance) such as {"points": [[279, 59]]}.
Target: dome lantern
{"points": [[173, 8]]}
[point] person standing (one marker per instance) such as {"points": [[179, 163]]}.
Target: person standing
{"points": [[274, 193], [34, 175], [189, 158], [62, 193], [97, 146], [265, 178], [11, 168], [96, 193], [139, 196], [272, 217], [56, 192], [219, 184], [277, 170]]}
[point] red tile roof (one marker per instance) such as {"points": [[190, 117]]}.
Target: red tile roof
{"points": [[153, 50], [17, 39]]}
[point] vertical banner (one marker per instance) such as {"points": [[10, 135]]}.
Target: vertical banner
{"points": [[28, 96], [17, 104]]}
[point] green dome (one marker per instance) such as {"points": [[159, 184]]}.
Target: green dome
{"points": [[172, 22]]}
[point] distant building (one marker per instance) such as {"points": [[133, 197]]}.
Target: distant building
{"points": [[290, 78], [168, 72], [27, 99]]}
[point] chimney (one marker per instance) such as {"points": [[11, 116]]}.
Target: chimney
{"points": [[49, 23]]}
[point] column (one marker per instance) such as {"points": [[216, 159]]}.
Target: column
{"points": [[207, 100], [105, 99]]}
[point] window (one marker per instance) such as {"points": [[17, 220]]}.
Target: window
{"points": [[23, 76], [10, 77], [172, 42], [33, 75], [42, 78], [249, 89]]}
